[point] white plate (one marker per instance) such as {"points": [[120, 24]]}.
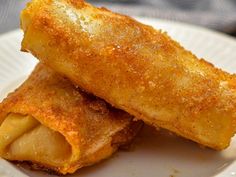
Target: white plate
{"points": [[155, 154]]}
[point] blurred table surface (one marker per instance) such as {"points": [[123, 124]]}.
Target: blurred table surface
{"points": [[214, 14]]}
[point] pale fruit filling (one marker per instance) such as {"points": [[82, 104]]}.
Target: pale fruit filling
{"points": [[23, 138]]}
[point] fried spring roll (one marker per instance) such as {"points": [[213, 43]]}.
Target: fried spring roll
{"points": [[56, 127], [133, 67]]}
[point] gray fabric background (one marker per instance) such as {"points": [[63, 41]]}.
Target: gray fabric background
{"points": [[215, 14]]}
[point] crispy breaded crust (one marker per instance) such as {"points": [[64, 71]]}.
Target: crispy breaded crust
{"points": [[92, 127], [134, 67]]}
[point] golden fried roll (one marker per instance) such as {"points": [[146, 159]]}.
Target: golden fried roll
{"points": [[133, 67], [57, 127]]}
